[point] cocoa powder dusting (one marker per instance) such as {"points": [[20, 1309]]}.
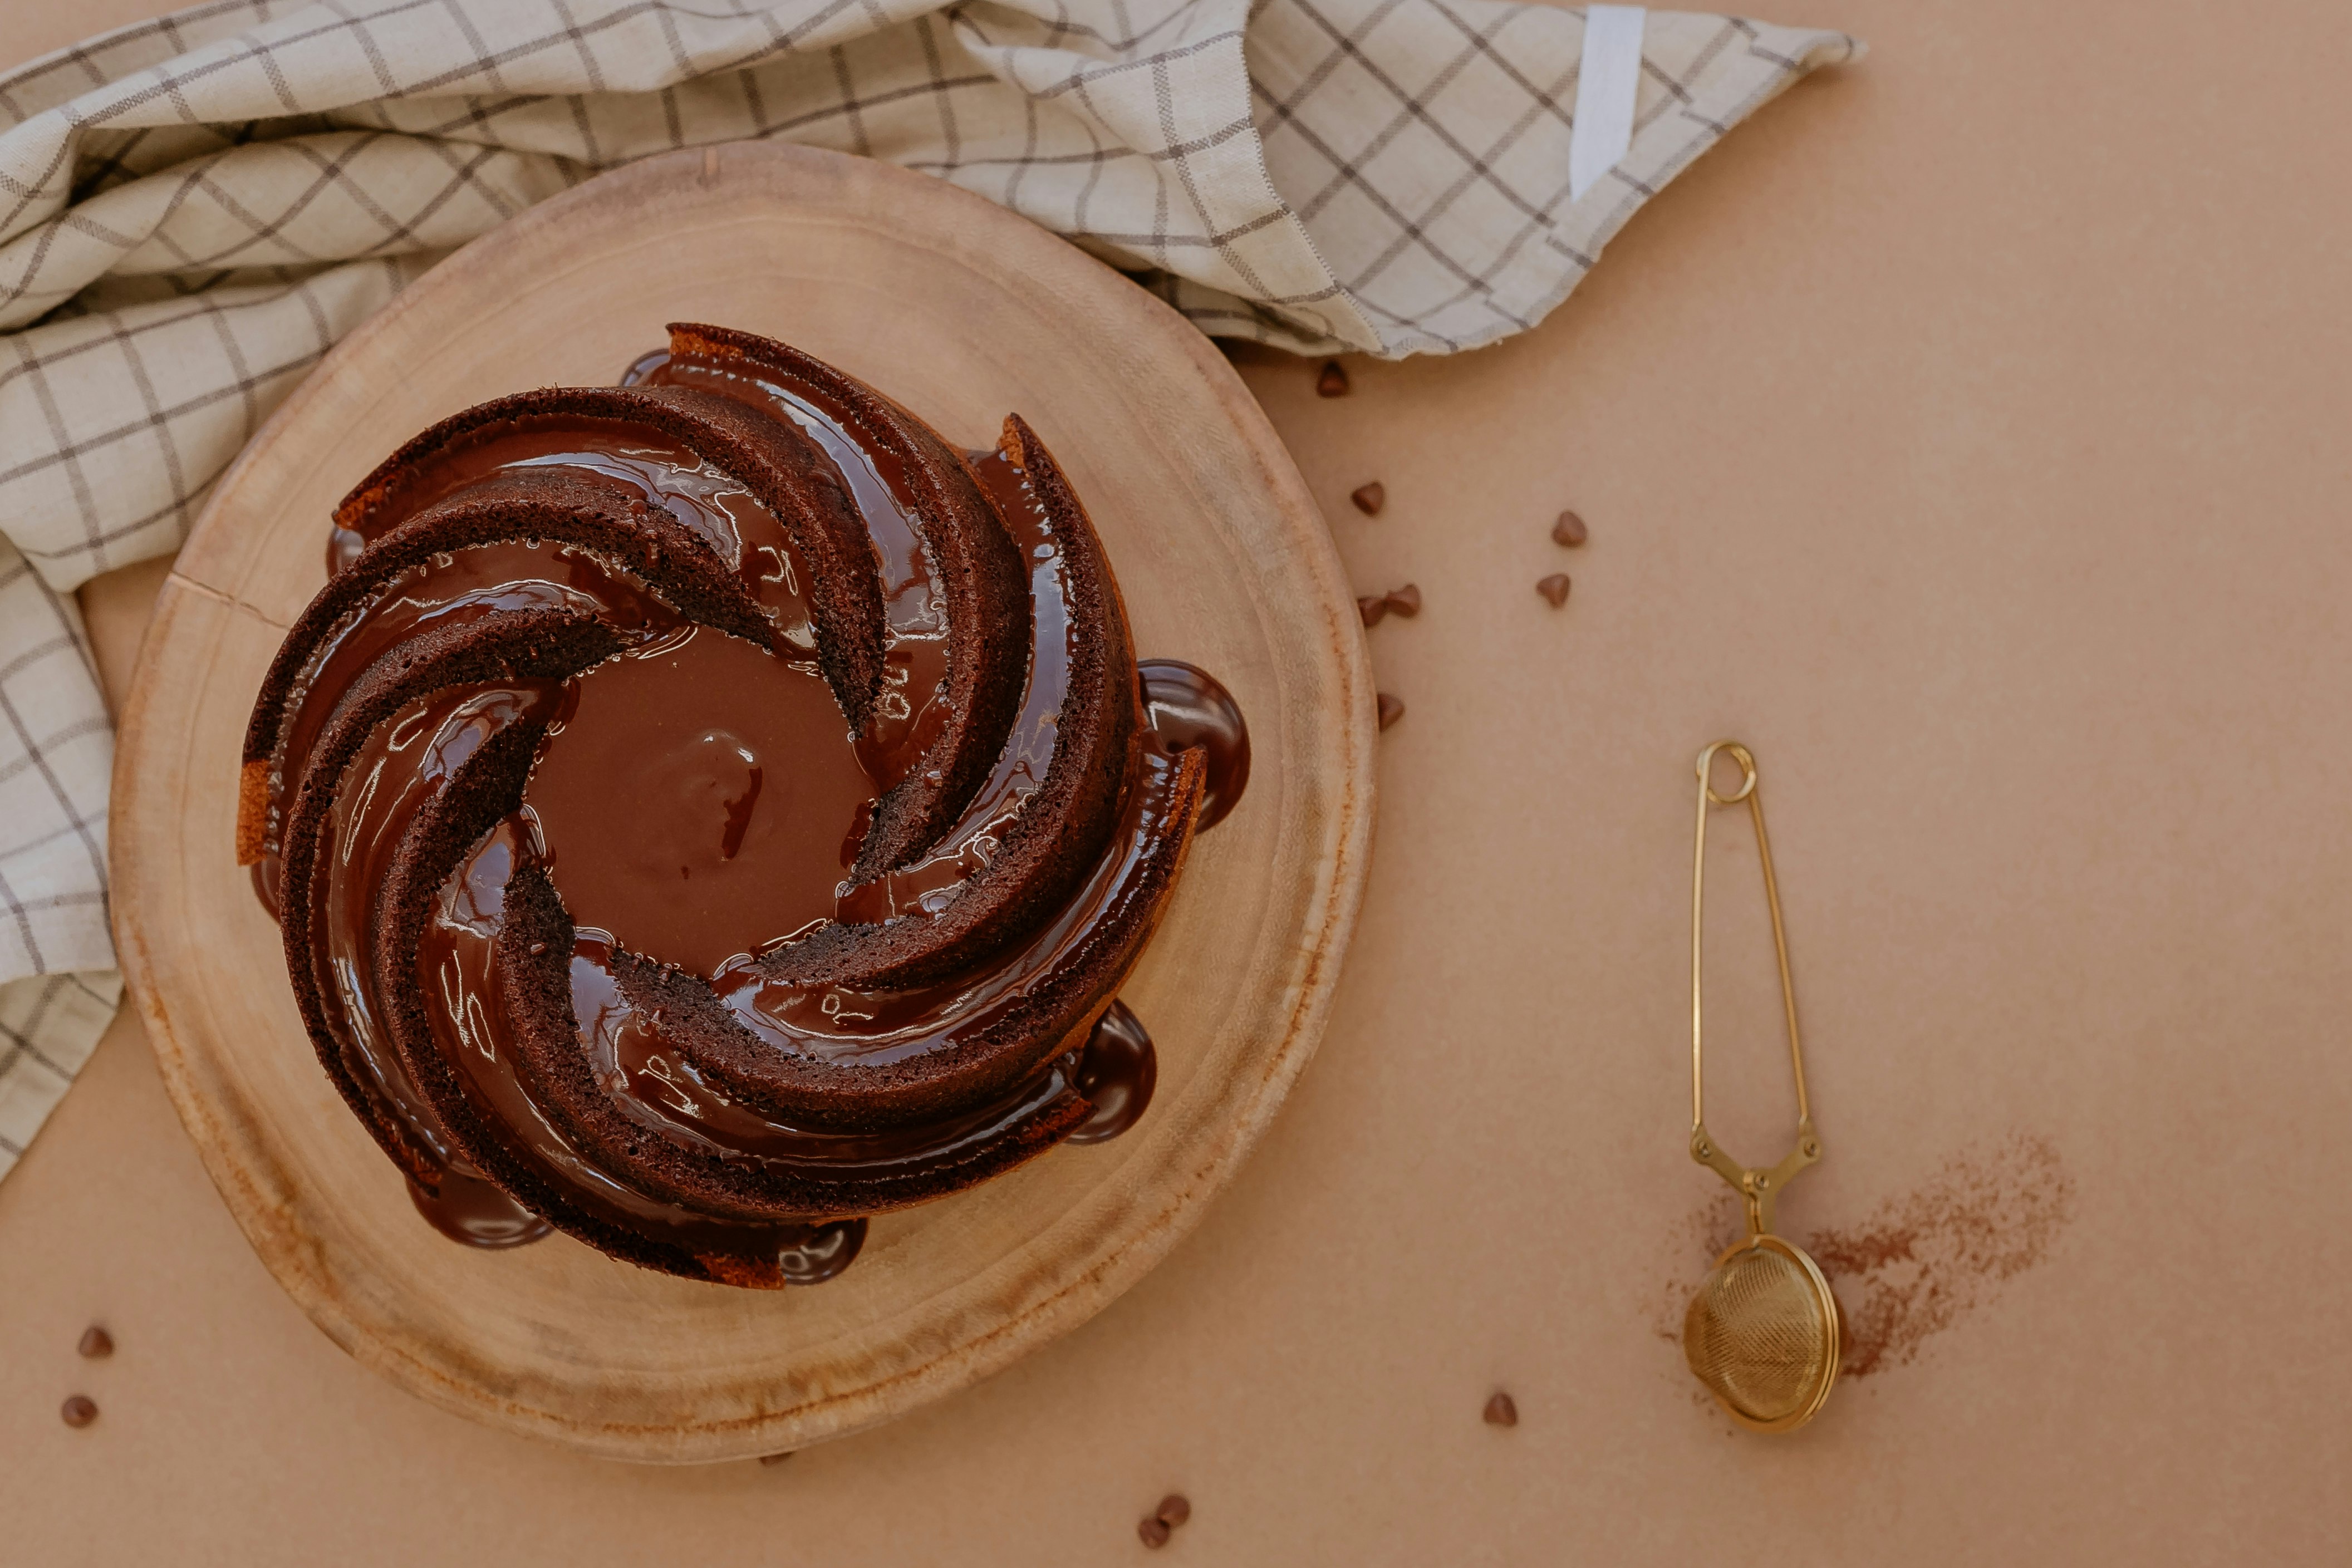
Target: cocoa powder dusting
{"points": [[1920, 1262]]}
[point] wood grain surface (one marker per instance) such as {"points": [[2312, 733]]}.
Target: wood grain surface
{"points": [[961, 311]]}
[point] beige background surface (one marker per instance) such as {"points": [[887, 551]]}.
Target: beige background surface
{"points": [[1966, 434]]}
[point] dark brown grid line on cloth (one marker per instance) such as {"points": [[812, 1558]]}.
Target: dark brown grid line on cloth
{"points": [[56, 753], [193, 210], [1413, 112], [23, 1039], [21, 736], [48, 1025]]}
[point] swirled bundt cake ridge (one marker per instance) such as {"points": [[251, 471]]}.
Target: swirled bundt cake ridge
{"points": [[711, 810]]}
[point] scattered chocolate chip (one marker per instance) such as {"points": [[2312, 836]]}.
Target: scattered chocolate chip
{"points": [[95, 1342], [1554, 588], [1154, 1534], [1372, 607], [1501, 1411], [1174, 1509], [1406, 601], [1569, 530], [1391, 709], [79, 1411], [778, 1459], [1333, 381], [1369, 498]]}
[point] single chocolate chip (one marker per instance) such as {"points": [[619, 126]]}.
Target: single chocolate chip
{"points": [[95, 1342], [1391, 709], [1569, 530], [1174, 1509], [536, 948], [1154, 1534], [1372, 607], [1406, 601], [778, 1459], [1554, 588], [1501, 1411], [1333, 381], [79, 1411], [1369, 498]]}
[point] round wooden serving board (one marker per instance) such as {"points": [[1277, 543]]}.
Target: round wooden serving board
{"points": [[963, 311]]}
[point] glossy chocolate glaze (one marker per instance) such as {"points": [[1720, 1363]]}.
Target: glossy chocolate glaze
{"points": [[700, 796], [1186, 708], [742, 778], [474, 1035], [470, 1210], [1118, 1070], [914, 646], [647, 1076], [876, 1028], [930, 883], [645, 463], [397, 772], [456, 588]]}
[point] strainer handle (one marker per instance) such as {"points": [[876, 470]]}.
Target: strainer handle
{"points": [[1757, 1189]]}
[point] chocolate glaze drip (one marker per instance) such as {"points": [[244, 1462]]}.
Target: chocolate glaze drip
{"points": [[1186, 708], [467, 1209], [698, 803], [1116, 1073], [824, 1251]]}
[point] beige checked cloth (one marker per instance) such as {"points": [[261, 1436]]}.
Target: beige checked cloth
{"points": [[193, 210]]}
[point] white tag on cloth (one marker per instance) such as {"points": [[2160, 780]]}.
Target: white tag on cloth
{"points": [[1606, 82]]}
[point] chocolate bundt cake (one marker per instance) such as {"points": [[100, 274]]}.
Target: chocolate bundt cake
{"points": [[706, 811]]}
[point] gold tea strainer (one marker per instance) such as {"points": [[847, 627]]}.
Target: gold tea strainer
{"points": [[1763, 1332]]}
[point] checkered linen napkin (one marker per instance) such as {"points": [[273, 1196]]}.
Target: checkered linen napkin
{"points": [[192, 210]]}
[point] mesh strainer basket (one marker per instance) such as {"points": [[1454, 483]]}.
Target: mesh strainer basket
{"points": [[1763, 1332]]}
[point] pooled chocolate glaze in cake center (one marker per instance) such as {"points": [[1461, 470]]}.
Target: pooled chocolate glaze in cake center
{"points": [[698, 798], [697, 801]]}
